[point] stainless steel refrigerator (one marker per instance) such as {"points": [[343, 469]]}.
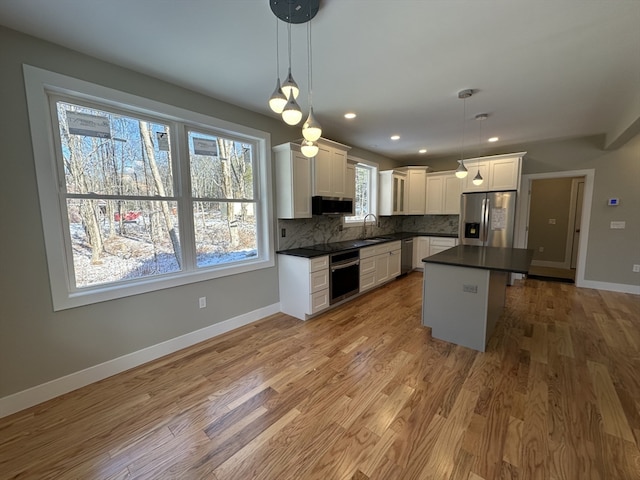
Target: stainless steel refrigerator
{"points": [[488, 218]]}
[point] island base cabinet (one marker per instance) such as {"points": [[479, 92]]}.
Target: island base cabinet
{"points": [[461, 304]]}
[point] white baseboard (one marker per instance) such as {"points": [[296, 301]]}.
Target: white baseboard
{"points": [[612, 287], [54, 388]]}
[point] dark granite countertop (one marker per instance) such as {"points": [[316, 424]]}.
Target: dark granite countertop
{"points": [[311, 251], [515, 260]]}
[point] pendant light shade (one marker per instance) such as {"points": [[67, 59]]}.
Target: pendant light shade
{"points": [[309, 148], [311, 129], [461, 171], [290, 86], [292, 113], [477, 180], [277, 101]]}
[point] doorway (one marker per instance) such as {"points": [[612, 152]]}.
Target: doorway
{"points": [[571, 262]]}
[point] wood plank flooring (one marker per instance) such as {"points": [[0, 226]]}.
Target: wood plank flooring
{"points": [[363, 392]]}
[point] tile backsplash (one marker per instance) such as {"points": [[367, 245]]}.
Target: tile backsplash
{"points": [[328, 229]]}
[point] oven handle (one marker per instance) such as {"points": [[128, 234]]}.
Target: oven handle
{"points": [[345, 265]]}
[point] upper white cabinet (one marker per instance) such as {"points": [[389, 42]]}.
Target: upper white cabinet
{"points": [[443, 193], [415, 190], [330, 169], [392, 188], [499, 172], [293, 182]]}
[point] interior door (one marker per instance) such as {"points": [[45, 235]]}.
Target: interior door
{"points": [[576, 224]]}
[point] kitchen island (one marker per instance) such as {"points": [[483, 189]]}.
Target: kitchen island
{"points": [[464, 290]]}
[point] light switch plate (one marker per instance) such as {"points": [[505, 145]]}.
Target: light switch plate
{"points": [[618, 225]]}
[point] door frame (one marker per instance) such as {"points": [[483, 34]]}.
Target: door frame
{"points": [[523, 210]]}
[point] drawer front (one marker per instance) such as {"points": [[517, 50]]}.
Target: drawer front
{"points": [[367, 281], [367, 252], [388, 247], [319, 280], [442, 242], [319, 301], [367, 265], [319, 263]]}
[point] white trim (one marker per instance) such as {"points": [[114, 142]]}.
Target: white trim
{"points": [[523, 215], [613, 287], [39, 84], [54, 388], [373, 194]]}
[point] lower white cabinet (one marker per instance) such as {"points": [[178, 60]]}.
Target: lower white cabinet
{"points": [[427, 246], [379, 264], [304, 285]]}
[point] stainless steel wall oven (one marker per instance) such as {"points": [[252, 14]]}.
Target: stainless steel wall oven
{"points": [[344, 275]]}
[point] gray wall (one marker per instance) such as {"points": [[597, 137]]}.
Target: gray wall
{"points": [[610, 253]]}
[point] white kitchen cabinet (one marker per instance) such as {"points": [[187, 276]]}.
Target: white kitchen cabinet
{"points": [[443, 193], [392, 191], [304, 285], [330, 169], [293, 182], [504, 174], [440, 244], [473, 167], [420, 251], [379, 264], [416, 189], [426, 246], [499, 172]]}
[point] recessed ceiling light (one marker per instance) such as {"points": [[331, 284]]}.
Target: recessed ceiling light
{"points": [[493, 139], [422, 150], [395, 137], [350, 115]]}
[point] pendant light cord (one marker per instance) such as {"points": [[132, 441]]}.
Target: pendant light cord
{"points": [[464, 116], [310, 58], [277, 51], [289, 33]]}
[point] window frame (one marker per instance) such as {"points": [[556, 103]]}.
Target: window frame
{"points": [[352, 220], [40, 85]]}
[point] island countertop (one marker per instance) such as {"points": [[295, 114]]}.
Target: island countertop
{"points": [[515, 260]]}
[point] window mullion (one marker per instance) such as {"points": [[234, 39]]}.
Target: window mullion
{"points": [[185, 201]]}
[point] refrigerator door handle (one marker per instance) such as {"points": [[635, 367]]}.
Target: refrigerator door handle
{"points": [[486, 203]]}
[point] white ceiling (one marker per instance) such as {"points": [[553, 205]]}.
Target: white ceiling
{"points": [[542, 69]]}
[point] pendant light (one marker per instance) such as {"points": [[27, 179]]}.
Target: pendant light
{"points": [[461, 171], [311, 129], [477, 180], [277, 101], [290, 86]]}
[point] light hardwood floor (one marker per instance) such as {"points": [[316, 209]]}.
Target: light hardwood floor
{"points": [[363, 392]]}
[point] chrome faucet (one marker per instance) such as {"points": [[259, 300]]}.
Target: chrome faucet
{"points": [[364, 223]]}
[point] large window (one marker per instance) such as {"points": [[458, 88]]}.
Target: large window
{"points": [[137, 195], [366, 193]]}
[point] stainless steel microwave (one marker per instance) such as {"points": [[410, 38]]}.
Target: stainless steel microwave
{"points": [[331, 206]]}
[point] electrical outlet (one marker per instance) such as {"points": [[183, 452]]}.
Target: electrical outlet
{"points": [[552, 221], [541, 249], [202, 302], [618, 225], [470, 288], [636, 268]]}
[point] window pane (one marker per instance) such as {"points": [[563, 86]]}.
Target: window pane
{"points": [[114, 240], [363, 187], [220, 168], [225, 232], [110, 154]]}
